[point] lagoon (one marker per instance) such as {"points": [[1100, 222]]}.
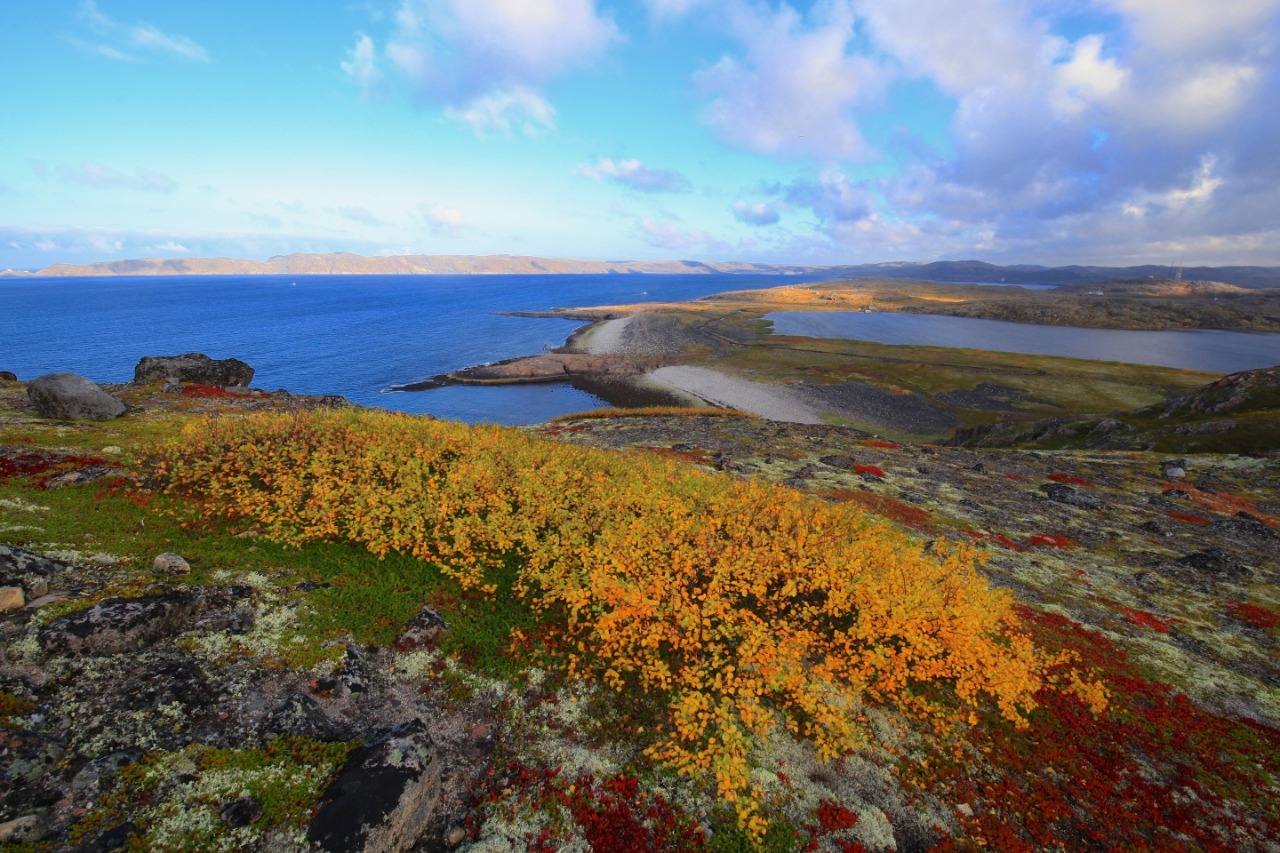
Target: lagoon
{"points": [[1214, 351]]}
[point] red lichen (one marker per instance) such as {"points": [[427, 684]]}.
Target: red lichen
{"points": [[1142, 617], [880, 443], [1189, 519], [885, 506], [998, 538], [1152, 772], [1253, 614], [209, 391], [1072, 480], [1048, 540], [1012, 476], [871, 470]]}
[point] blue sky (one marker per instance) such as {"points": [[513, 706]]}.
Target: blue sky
{"points": [[836, 131]]}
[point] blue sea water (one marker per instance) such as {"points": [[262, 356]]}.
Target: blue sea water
{"points": [[359, 335], [349, 335]]}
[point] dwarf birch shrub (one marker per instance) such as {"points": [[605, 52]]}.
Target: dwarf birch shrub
{"points": [[744, 605]]}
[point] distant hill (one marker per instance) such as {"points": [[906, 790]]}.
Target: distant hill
{"points": [[345, 263], [980, 272]]}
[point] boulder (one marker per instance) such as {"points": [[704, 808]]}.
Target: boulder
{"points": [[11, 598], [1069, 496], [30, 571], [120, 624], [71, 397], [422, 630], [170, 564], [193, 367], [8, 376], [384, 797]]}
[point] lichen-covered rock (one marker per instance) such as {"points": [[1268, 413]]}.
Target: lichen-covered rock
{"points": [[170, 564], [72, 397], [120, 624], [422, 630], [384, 797], [1064, 494], [11, 598], [31, 572], [298, 715], [193, 367]]}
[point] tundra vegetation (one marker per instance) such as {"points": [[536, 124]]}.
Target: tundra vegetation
{"points": [[675, 650]]}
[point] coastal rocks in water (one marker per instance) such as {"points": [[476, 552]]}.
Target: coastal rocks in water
{"points": [[8, 376], [193, 367], [385, 795], [71, 397], [119, 624], [551, 366]]}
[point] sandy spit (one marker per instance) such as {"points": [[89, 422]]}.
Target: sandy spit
{"points": [[767, 401]]}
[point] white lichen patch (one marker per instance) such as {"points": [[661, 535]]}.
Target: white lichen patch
{"points": [[84, 559], [20, 505]]}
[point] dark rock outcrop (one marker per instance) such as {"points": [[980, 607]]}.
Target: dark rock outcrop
{"points": [[120, 624], [193, 367], [72, 397], [384, 797]]}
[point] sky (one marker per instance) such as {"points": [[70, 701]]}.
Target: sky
{"points": [[837, 131]]}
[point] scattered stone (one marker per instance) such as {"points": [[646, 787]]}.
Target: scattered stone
{"points": [[838, 462], [1064, 494], [1215, 561], [170, 564], [804, 472], [114, 838], [193, 367], [241, 811], [25, 828], [422, 630], [1174, 469], [88, 474], [95, 778], [384, 796], [301, 716], [71, 397], [964, 810], [311, 586], [120, 624], [11, 598]]}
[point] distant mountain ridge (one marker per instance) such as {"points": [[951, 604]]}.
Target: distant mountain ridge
{"points": [[344, 263]]}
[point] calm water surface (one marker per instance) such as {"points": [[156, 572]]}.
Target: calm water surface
{"points": [[1213, 351], [348, 335]]}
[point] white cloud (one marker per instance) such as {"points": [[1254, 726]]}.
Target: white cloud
{"points": [[444, 221], [122, 42], [760, 213], [104, 177], [362, 66], [794, 90], [485, 59], [665, 235], [497, 112], [359, 214], [171, 246], [637, 176]]}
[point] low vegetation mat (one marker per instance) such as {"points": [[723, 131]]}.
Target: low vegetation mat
{"points": [[744, 606]]}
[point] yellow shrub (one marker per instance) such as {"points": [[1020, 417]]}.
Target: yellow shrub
{"points": [[744, 605]]}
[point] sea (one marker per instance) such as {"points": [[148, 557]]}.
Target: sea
{"points": [[360, 336], [355, 336]]}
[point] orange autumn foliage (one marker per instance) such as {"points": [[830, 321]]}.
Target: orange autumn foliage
{"points": [[744, 605]]}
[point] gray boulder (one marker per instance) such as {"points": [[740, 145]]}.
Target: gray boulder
{"points": [[193, 367], [384, 797], [71, 397], [120, 624]]}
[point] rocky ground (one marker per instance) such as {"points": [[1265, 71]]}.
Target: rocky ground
{"points": [[168, 682]]}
